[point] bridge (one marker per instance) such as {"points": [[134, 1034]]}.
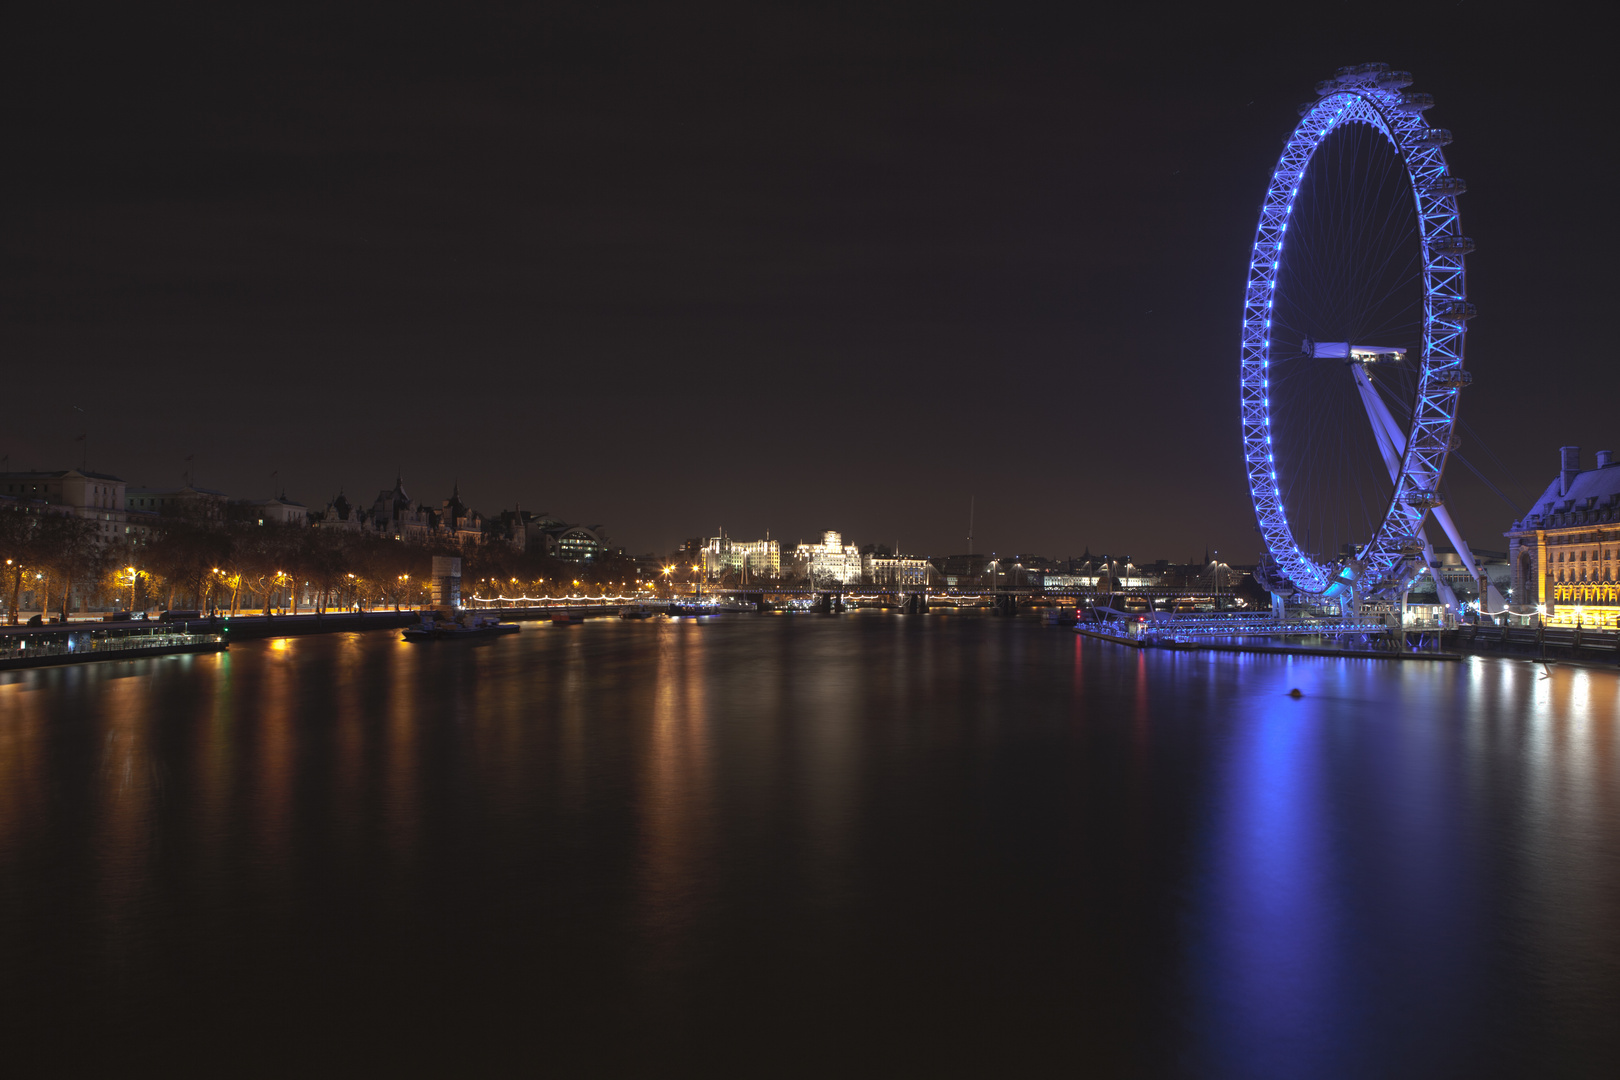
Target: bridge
{"points": [[917, 599]]}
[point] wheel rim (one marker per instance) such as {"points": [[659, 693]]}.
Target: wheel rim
{"points": [[1369, 95]]}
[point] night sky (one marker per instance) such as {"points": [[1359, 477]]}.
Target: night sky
{"points": [[669, 267]]}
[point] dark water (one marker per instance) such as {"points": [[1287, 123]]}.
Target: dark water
{"points": [[869, 845]]}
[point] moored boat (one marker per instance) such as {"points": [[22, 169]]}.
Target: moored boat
{"points": [[464, 625]]}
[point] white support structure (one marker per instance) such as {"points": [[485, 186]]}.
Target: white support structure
{"points": [[1392, 444]]}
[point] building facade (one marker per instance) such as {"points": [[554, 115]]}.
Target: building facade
{"points": [[1563, 552], [278, 511], [745, 558], [340, 514], [831, 560], [897, 571], [189, 501], [93, 496]]}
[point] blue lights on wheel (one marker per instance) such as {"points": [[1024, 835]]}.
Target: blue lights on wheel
{"points": [[1354, 96]]}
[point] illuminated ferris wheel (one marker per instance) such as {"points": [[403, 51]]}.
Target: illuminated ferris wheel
{"points": [[1354, 317]]}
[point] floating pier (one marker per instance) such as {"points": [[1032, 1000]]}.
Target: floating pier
{"points": [[47, 648], [1210, 635]]}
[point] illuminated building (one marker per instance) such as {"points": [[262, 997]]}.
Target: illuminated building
{"points": [[1564, 551], [748, 558], [577, 543], [832, 560], [538, 533], [896, 570]]}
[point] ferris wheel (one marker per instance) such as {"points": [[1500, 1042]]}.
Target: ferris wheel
{"points": [[1354, 318]]}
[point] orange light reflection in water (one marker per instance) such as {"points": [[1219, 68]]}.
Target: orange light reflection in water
{"points": [[22, 773], [276, 751], [677, 800], [128, 785], [215, 755]]}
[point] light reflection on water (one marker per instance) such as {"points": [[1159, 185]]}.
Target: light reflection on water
{"points": [[886, 843]]}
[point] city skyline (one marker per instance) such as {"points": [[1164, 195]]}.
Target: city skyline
{"points": [[585, 264]]}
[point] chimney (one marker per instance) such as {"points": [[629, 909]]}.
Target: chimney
{"points": [[1571, 457], [1605, 458]]}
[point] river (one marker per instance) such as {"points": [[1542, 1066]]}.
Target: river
{"points": [[807, 846]]}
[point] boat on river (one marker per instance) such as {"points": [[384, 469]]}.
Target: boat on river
{"points": [[465, 625]]}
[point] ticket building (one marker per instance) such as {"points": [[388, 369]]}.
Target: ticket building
{"points": [[1564, 551]]}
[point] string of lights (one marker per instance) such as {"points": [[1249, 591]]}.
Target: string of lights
{"points": [[548, 599]]}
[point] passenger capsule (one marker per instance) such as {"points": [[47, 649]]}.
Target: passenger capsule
{"points": [[1414, 103], [1455, 379], [1434, 137], [1442, 186], [1455, 310], [1327, 86], [1394, 80], [1306, 106], [1423, 500], [1451, 245]]}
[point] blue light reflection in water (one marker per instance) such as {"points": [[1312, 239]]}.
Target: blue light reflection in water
{"points": [[1275, 947], [879, 845]]}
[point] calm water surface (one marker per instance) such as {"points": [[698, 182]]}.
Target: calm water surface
{"points": [[769, 845]]}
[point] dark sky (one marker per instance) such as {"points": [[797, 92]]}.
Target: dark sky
{"points": [[668, 267]]}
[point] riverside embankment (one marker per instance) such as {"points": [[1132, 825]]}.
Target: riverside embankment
{"points": [[94, 640]]}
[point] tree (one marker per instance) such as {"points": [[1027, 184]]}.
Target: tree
{"points": [[72, 551], [21, 549], [186, 554], [261, 555]]}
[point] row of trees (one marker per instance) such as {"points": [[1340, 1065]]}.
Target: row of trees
{"points": [[244, 566]]}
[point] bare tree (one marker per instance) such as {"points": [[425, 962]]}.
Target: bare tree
{"points": [[73, 552]]}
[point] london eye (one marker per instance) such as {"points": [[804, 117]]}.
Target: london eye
{"points": [[1354, 319]]}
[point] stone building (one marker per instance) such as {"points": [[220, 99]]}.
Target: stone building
{"points": [[895, 571], [339, 514], [93, 496], [1563, 552], [832, 560], [277, 511], [543, 534], [746, 558], [200, 504]]}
